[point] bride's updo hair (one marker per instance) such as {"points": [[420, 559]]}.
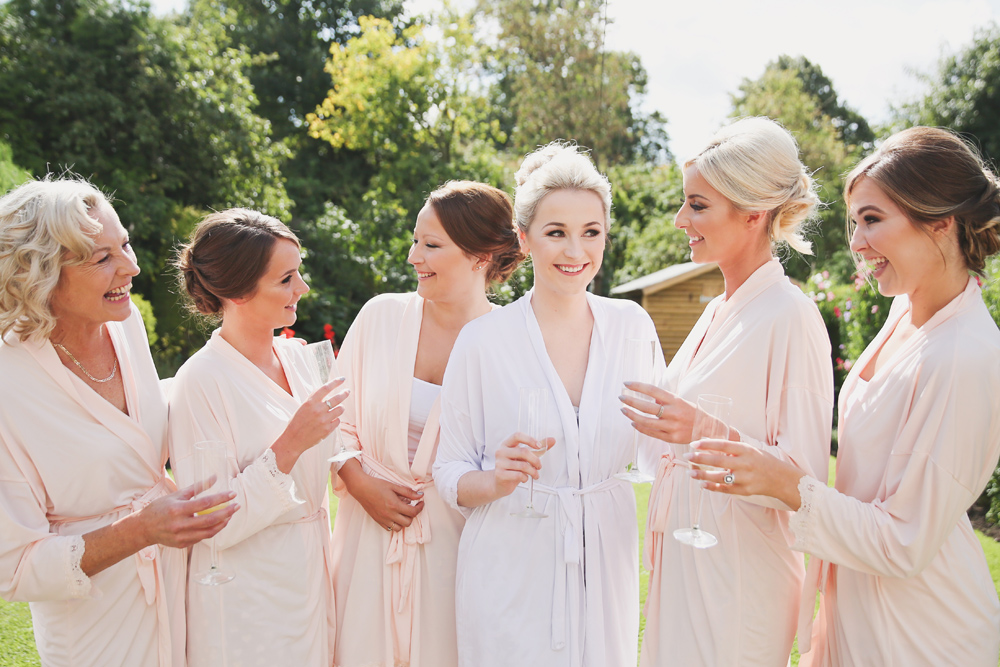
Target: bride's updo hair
{"points": [[228, 253], [479, 219], [931, 174], [557, 166], [754, 163]]}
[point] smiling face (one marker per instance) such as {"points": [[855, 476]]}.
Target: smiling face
{"points": [[97, 291], [716, 230], [444, 271], [566, 240], [278, 291], [902, 258]]}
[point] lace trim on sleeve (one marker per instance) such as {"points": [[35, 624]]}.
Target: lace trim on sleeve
{"points": [[281, 482], [78, 581], [800, 521]]}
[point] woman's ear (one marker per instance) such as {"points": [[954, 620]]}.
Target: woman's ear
{"points": [[942, 226], [522, 240], [757, 218]]}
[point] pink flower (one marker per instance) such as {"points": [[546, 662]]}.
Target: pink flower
{"points": [[836, 312], [829, 296], [826, 274], [874, 309], [848, 364]]}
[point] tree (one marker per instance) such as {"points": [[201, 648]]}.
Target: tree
{"points": [[11, 175], [964, 93], [557, 81], [159, 112], [781, 94]]}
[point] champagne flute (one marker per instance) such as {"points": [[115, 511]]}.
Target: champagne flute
{"points": [[710, 421], [530, 422], [637, 366], [322, 367], [210, 463]]}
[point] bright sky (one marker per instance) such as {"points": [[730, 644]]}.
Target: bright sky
{"points": [[698, 52]]}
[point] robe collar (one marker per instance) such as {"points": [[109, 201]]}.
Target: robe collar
{"points": [[128, 428], [225, 349], [725, 311], [594, 384]]}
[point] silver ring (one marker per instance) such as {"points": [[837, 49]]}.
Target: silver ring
{"points": [[660, 411], [389, 528], [729, 478], [328, 406]]}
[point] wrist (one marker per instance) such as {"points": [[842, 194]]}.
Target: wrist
{"points": [[285, 456]]}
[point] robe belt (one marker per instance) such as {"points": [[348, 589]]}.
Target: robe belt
{"points": [[818, 576], [659, 505], [321, 515], [570, 524], [402, 556], [146, 562]]}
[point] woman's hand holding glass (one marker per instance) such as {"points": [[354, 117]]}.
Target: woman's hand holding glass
{"points": [[516, 462], [180, 520], [665, 416], [314, 420], [749, 471]]}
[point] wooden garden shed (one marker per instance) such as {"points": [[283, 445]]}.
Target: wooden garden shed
{"points": [[675, 298]]}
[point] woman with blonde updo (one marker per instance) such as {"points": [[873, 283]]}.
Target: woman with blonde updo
{"points": [[762, 344], [395, 539], [902, 575], [563, 590], [257, 394]]}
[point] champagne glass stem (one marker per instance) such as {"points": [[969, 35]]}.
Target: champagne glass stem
{"points": [[635, 449], [697, 516], [531, 492], [214, 555]]}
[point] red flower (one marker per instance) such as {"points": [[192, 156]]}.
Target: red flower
{"points": [[836, 312], [287, 333], [328, 332]]}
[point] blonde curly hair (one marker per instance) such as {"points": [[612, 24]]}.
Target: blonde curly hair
{"points": [[44, 225], [557, 166], [754, 163]]}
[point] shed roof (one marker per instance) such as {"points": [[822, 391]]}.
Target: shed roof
{"points": [[664, 278]]}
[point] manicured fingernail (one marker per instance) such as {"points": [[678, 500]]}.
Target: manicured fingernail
{"points": [[692, 473], [688, 456]]}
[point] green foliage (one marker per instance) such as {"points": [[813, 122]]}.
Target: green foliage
{"points": [[964, 93], [557, 82], [781, 93], [645, 200], [991, 295], [11, 175], [148, 318]]}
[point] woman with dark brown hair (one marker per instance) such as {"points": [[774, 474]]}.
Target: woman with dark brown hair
{"points": [[395, 539], [257, 394], [902, 575]]}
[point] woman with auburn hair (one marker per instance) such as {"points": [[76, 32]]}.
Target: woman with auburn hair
{"points": [[902, 575], [93, 530], [763, 345], [395, 539], [257, 394], [561, 590]]}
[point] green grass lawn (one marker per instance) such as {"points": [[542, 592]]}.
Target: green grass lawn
{"points": [[17, 645]]}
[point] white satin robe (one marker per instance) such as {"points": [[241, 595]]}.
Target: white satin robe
{"points": [[736, 604], [70, 463], [904, 578], [279, 609], [561, 591], [395, 591]]}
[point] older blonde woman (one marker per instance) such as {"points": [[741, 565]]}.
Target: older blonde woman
{"points": [[93, 529]]}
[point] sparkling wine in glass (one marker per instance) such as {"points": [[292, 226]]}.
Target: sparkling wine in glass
{"points": [[531, 422], [323, 366], [637, 366], [711, 421], [210, 463]]}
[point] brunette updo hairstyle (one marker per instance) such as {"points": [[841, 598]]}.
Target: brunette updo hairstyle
{"points": [[754, 163], [479, 219], [228, 253], [931, 174], [557, 166]]}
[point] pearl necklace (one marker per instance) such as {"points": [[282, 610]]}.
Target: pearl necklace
{"points": [[114, 370]]}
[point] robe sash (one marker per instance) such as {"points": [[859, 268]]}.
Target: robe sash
{"points": [[146, 562], [402, 558], [565, 612]]}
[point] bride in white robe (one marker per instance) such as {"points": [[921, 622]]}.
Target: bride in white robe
{"points": [[562, 590]]}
